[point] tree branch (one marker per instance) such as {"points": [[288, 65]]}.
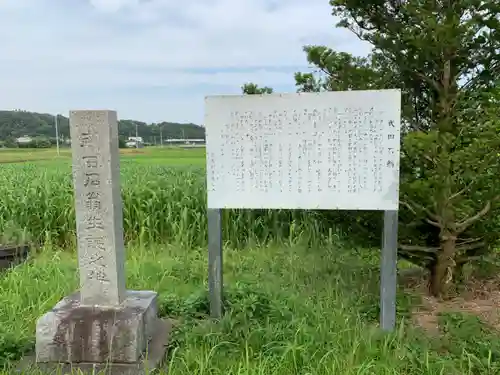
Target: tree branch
{"points": [[435, 219], [433, 83], [471, 246], [408, 206], [357, 33], [458, 193], [468, 241], [463, 225], [427, 157], [418, 248]]}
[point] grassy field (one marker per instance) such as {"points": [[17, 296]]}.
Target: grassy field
{"points": [[157, 155], [301, 299]]}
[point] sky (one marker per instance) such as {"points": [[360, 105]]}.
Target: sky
{"points": [[155, 60]]}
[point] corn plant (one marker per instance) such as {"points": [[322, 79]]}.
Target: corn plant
{"points": [[160, 204]]}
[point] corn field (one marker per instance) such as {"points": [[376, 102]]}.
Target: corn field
{"points": [[160, 204]]}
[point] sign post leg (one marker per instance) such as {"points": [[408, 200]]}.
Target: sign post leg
{"points": [[388, 271], [215, 261]]}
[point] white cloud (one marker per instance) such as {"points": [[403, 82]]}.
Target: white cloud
{"points": [[154, 59]]}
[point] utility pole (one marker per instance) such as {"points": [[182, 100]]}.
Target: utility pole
{"points": [[161, 136], [57, 135], [136, 136]]}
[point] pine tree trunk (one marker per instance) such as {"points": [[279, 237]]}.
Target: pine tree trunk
{"points": [[442, 273]]}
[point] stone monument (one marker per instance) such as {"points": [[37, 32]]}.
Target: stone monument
{"points": [[103, 325]]}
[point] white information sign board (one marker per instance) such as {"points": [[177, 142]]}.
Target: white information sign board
{"points": [[328, 150]]}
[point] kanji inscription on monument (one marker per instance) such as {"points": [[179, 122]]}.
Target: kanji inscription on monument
{"points": [[96, 177]]}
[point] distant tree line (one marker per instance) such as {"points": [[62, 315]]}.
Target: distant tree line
{"points": [[41, 127]]}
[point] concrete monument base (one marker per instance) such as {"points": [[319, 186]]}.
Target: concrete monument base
{"points": [[128, 339]]}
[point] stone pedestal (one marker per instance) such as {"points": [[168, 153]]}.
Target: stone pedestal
{"points": [[128, 339]]}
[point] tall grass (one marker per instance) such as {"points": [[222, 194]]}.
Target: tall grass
{"points": [[161, 204], [289, 310]]}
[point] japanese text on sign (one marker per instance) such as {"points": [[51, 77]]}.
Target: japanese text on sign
{"points": [[332, 150]]}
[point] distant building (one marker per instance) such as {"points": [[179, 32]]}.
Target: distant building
{"points": [[182, 141], [24, 139], [135, 142], [135, 139]]}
